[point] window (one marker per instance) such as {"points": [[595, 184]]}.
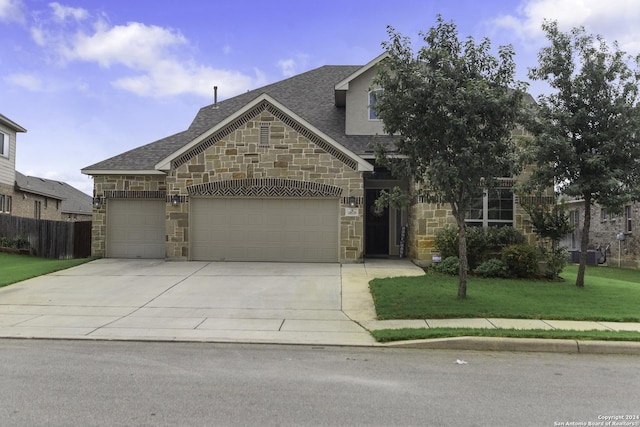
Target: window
{"points": [[1, 203], [4, 144], [372, 103], [627, 219], [7, 204], [574, 222], [603, 214], [46, 203], [494, 209], [37, 208], [264, 135]]}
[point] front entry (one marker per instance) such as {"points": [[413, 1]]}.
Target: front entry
{"points": [[376, 226]]}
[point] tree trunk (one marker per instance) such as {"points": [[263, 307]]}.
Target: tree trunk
{"points": [[462, 254], [584, 241]]}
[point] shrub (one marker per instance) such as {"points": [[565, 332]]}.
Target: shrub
{"points": [[483, 244], [450, 265], [521, 260], [446, 241], [16, 242], [492, 268], [555, 259]]}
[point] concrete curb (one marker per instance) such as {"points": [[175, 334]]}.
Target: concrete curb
{"points": [[523, 345]]}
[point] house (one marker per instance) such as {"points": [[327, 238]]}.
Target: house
{"points": [[612, 230], [281, 173], [33, 197]]}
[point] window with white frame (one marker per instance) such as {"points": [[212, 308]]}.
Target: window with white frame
{"points": [[4, 145], [627, 219], [494, 209], [1, 203], [372, 103]]}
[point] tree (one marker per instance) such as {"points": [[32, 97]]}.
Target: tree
{"points": [[587, 139], [452, 105]]}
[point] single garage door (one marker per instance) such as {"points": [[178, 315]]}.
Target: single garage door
{"points": [[237, 229], [135, 228]]}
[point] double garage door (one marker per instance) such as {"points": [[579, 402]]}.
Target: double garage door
{"points": [[231, 229], [236, 229]]}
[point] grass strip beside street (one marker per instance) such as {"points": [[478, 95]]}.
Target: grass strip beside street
{"points": [[16, 268], [388, 335]]}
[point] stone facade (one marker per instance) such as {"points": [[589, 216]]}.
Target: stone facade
{"points": [[236, 163], [426, 219], [604, 230]]}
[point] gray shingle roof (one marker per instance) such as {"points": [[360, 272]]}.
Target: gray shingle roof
{"points": [[310, 95], [73, 200]]}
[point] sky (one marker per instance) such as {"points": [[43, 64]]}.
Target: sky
{"points": [[90, 79]]}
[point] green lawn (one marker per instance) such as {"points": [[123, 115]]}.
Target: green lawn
{"points": [[387, 335], [610, 294], [15, 268]]}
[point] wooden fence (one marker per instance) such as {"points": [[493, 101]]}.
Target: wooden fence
{"points": [[50, 239]]}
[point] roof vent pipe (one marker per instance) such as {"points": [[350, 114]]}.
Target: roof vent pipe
{"points": [[215, 97]]}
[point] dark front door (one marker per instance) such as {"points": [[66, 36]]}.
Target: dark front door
{"points": [[376, 226]]}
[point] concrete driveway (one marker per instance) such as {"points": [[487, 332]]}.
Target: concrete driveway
{"points": [[198, 301]]}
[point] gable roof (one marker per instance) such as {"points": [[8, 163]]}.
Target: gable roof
{"points": [[73, 200], [309, 95], [165, 164]]}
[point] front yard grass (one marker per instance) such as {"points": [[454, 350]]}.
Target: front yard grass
{"points": [[16, 268], [610, 294]]}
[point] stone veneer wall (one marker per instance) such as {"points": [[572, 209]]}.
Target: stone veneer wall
{"points": [[426, 219], [604, 231], [290, 155]]}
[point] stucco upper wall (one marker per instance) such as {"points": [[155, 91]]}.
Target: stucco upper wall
{"points": [[8, 165], [357, 106]]}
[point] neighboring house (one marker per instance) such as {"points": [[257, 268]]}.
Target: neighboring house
{"points": [[281, 173], [52, 199], [613, 230], [33, 197]]}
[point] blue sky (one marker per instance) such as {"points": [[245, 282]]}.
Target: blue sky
{"points": [[90, 79]]}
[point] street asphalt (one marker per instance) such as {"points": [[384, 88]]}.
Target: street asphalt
{"points": [[276, 303]]}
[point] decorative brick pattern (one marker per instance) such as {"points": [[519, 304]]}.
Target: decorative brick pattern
{"points": [[264, 187]]}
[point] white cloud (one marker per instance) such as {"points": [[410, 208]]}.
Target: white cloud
{"points": [[135, 45], [61, 13], [157, 58], [11, 10], [291, 66], [613, 19], [27, 81]]}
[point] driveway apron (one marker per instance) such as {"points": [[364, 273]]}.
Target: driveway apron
{"points": [[184, 301]]}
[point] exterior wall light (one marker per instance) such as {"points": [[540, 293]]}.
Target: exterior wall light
{"points": [[175, 200], [97, 202], [352, 201]]}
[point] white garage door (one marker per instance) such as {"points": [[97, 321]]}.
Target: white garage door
{"points": [[236, 229], [135, 228]]}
